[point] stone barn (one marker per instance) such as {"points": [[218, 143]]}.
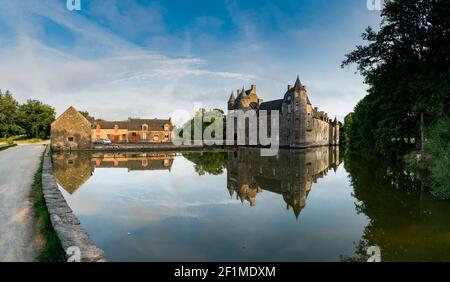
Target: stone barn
{"points": [[71, 130]]}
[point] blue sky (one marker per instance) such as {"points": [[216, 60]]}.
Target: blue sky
{"points": [[143, 58]]}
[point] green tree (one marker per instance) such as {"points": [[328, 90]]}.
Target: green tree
{"points": [[36, 118], [84, 113], [198, 120], [8, 116], [407, 67], [438, 146]]}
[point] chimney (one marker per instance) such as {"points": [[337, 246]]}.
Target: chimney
{"points": [[253, 88], [238, 92], [289, 87]]}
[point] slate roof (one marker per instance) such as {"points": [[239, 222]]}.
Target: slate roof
{"points": [[271, 105], [153, 124], [136, 124], [111, 124]]}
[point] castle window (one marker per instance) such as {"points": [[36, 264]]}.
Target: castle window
{"points": [[70, 139]]}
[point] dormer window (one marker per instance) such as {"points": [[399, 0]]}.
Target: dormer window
{"points": [[145, 127], [166, 127]]}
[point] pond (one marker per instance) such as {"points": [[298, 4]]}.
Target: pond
{"points": [[235, 205]]}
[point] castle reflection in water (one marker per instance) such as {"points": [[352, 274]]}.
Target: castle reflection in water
{"points": [[291, 173]]}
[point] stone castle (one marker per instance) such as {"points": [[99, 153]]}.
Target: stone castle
{"points": [[301, 125]]}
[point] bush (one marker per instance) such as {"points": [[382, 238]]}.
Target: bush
{"points": [[438, 146]]}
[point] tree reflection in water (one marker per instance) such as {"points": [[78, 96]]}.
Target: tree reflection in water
{"points": [[404, 220]]}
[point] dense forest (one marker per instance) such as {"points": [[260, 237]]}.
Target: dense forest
{"points": [[406, 64]]}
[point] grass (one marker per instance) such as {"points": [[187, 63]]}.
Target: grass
{"points": [[20, 139], [52, 250], [6, 146]]}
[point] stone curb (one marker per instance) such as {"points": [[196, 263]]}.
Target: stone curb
{"points": [[65, 223]]}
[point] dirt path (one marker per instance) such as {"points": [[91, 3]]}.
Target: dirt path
{"points": [[18, 240]]}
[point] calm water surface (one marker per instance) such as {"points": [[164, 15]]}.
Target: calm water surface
{"points": [[234, 205]]}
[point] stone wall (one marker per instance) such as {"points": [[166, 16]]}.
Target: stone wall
{"points": [[65, 223]]}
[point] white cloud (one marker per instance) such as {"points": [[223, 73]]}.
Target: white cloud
{"points": [[125, 80], [113, 78]]}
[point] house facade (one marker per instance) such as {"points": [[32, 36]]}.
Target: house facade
{"points": [[72, 130], [300, 124], [134, 131]]}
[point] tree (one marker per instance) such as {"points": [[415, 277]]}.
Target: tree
{"points": [[8, 116], [36, 118], [407, 67], [438, 146], [198, 123], [84, 113]]}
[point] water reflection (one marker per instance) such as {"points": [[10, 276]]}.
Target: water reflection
{"points": [[404, 220], [291, 174], [181, 201], [72, 170]]}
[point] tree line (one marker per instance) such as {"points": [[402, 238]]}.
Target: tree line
{"points": [[406, 64], [32, 118]]}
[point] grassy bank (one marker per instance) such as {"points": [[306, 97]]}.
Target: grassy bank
{"points": [[51, 250], [6, 146], [21, 139]]}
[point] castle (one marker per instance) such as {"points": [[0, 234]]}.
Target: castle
{"points": [[301, 125]]}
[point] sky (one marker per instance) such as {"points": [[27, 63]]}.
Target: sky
{"points": [[141, 58]]}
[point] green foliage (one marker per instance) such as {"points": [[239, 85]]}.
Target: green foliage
{"points": [[202, 120], [407, 67], [36, 118], [84, 113], [208, 162], [9, 116], [438, 146], [32, 118]]}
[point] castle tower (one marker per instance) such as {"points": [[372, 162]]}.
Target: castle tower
{"points": [[231, 101], [297, 114]]}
